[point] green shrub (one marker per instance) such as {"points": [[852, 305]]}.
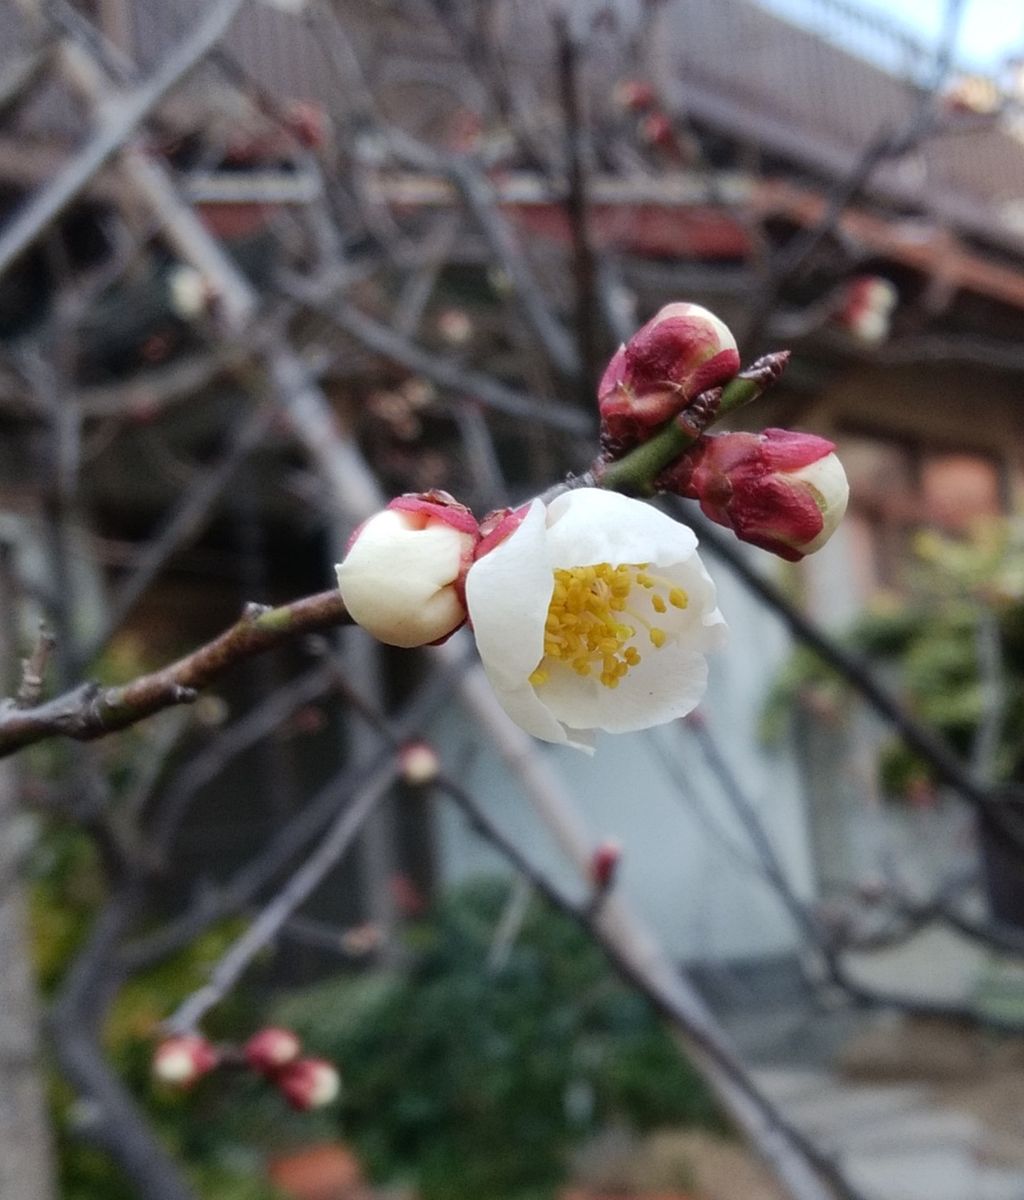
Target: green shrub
{"points": [[473, 1083]]}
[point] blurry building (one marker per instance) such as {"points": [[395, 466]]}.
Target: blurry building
{"points": [[730, 142]]}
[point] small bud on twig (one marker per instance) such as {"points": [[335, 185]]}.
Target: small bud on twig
{"points": [[604, 863], [418, 763], [271, 1049], [182, 1060], [308, 1083]]}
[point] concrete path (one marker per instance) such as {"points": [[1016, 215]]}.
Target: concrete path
{"points": [[893, 1141]]}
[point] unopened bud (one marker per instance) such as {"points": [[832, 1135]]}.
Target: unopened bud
{"points": [[270, 1049], [455, 326], [604, 863], [191, 293], [403, 578], [682, 351], [183, 1060], [418, 763], [308, 1083], [633, 94], [868, 307], [783, 491]]}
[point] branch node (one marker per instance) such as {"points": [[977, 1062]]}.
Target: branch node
{"points": [[33, 669]]}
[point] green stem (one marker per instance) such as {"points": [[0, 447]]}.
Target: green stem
{"points": [[635, 473]]}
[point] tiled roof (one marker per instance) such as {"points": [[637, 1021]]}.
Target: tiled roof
{"points": [[729, 63]]}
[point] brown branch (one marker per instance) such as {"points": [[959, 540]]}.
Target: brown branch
{"points": [[89, 711], [577, 203]]}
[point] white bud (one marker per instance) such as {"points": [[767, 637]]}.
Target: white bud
{"points": [[400, 577]]}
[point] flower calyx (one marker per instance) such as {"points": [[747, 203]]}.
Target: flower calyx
{"points": [[403, 576]]}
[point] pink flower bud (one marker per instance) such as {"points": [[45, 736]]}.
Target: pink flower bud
{"points": [[418, 763], [270, 1049], [183, 1060], [308, 1083], [633, 94], [679, 353], [867, 308], [785, 492], [403, 578], [604, 863]]}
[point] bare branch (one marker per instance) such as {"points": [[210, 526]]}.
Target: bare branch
{"points": [[90, 711], [442, 371], [299, 888], [115, 131]]}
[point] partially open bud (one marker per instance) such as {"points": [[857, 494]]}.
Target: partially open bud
{"points": [[308, 1083], [785, 492], [183, 1060], [403, 576], [679, 353], [271, 1049], [868, 307]]}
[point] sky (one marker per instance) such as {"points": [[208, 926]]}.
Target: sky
{"points": [[990, 30]]}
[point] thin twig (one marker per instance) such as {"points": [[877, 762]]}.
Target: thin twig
{"points": [[299, 888]]}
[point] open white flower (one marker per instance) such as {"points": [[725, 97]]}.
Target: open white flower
{"points": [[594, 614]]}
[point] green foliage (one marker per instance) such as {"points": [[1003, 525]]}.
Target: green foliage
{"points": [[931, 641], [474, 1083]]}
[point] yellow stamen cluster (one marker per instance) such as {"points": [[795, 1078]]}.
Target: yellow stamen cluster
{"points": [[587, 626]]}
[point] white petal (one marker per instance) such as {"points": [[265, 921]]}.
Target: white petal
{"points": [[589, 525], [666, 684], [508, 593], [700, 625], [831, 492]]}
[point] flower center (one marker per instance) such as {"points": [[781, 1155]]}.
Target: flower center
{"points": [[590, 623]]}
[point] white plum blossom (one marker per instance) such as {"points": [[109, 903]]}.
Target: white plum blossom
{"points": [[595, 613]]}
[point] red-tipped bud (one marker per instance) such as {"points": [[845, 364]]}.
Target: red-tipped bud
{"points": [[418, 763], [271, 1049], [682, 351], [868, 307], [308, 1083], [455, 326], [656, 130], [403, 578], [604, 863], [307, 123], [408, 898], [785, 492], [634, 95], [183, 1060]]}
